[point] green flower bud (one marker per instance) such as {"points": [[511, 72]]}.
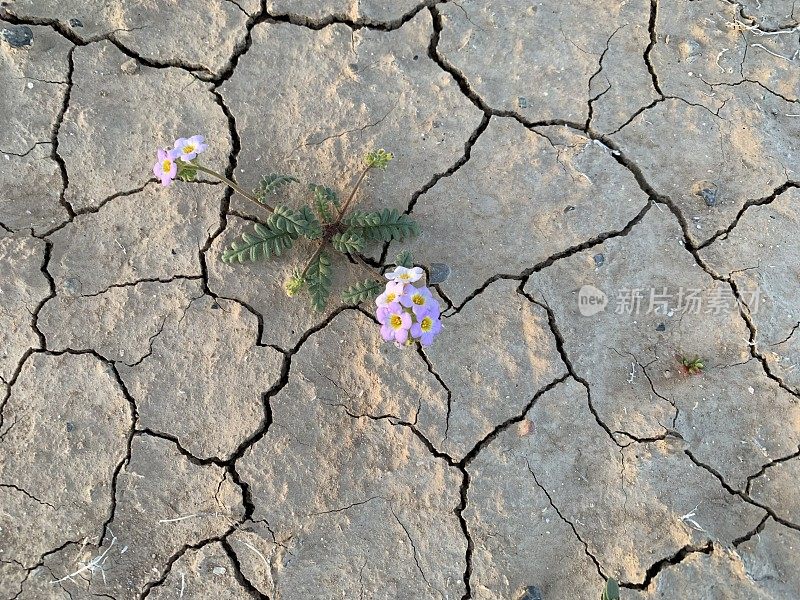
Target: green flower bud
{"points": [[378, 158], [293, 284]]}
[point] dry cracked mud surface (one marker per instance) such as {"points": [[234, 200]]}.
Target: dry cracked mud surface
{"points": [[614, 188]]}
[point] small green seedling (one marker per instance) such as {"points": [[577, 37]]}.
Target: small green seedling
{"points": [[692, 366], [611, 590]]}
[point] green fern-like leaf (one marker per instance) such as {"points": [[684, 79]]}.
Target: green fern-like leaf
{"points": [[383, 226], [403, 259], [313, 230], [362, 291], [325, 200], [349, 241], [262, 243], [360, 218], [270, 184], [286, 219], [611, 590], [318, 278]]}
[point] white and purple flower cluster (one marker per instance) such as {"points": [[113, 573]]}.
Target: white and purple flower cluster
{"points": [[407, 313], [185, 150]]}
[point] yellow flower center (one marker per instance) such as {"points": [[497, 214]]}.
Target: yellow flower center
{"points": [[395, 321], [418, 299], [426, 324], [188, 149], [390, 297], [166, 165]]}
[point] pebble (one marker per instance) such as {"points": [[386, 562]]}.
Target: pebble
{"points": [[439, 272], [523, 102], [599, 260], [661, 327], [531, 593], [72, 286], [75, 23], [129, 67], [710, 196], [219, 571], [17, 36]]}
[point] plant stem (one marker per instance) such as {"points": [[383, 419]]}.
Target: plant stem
{"points": [[235, 187], [314, 256], [352, 195]]}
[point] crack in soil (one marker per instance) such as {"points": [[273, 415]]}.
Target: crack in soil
{"points": [[768, 466], [229, 464], [723, 233], [651, 28], [567, 521]]}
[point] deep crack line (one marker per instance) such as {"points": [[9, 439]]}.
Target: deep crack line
{"points": [[651, 28], [723, 233], [434, 180], [421, 352], [550, 260], [239, 574], [567, 521], [745, 497], [767, 466], [593, 99], [54, 154]]}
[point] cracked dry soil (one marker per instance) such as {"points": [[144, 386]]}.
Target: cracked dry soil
{"points": [[171, 427]]}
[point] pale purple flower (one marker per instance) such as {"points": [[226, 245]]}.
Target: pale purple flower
{"points": [[395, 323], [405, 275], [189, 148], [426, 329], [420, 301], [394, 289], [165, 168]]}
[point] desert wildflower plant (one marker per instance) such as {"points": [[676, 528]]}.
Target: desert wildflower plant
{"points": [[408, 313], [692, 366]]}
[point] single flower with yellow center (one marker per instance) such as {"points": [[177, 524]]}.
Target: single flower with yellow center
{"points": [[395, 323], [165, 168], [405, 275], [189, 148], [426, 328], [394, 290], [420, 301]]}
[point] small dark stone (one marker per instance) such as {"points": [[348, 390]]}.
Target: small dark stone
{"points": [[599, 259], [70, 427], [568, 208], [439, 272], [416, 57], [18, 36], [174, 253], [215, 306], [75, 23], [710, 196], [523, 102], [661, 327], [531, 593]]}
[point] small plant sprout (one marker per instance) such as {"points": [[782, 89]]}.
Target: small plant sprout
{"points": [[611, 590], [407, 313], [692, 366]]}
